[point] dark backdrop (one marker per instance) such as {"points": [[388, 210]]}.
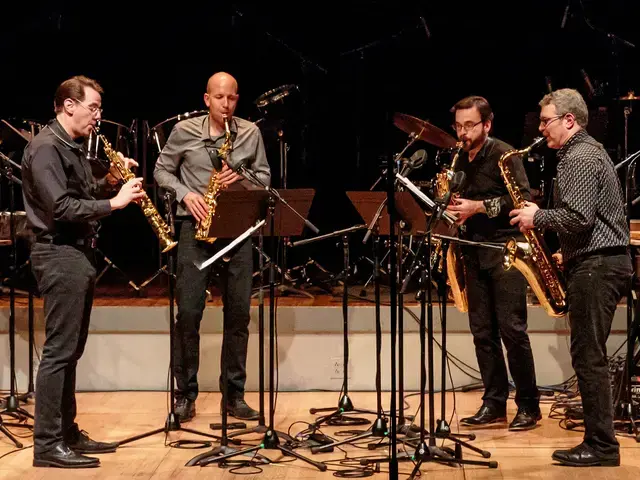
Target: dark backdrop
{"points": [[355, 63]]}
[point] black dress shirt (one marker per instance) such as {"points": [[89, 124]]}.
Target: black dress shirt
{"points": [[589, 213], [483, 181], [58, 187]]}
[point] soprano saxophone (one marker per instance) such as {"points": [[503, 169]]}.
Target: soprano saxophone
{"points": [[533, 258], [154, 218], [214, 188]]}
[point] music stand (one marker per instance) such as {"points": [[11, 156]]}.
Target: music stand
{"points": [[172, 423], [437, 217], [283, 220]]}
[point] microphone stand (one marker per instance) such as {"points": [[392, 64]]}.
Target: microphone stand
{"points": [[12, 403], [172, 423], [625, 405], [271, 439]]}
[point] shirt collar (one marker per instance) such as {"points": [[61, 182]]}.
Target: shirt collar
{"points": [[233, 126], [573, 139], [59, 131]]}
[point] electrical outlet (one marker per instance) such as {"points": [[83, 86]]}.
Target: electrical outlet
{"points": [[337, 368]]}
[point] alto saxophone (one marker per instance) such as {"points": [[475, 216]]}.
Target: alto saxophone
{"points": [[158, 224], [214, 188], [533, 258], [455, 266]]}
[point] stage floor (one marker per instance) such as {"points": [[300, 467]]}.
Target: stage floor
{"points": [[115, 416]]}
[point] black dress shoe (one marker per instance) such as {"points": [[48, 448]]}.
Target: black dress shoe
{"points": [[525, 419], [585, 456], [185, 409], [238, 408], [79, 442], [63, 457], [486, 416]]}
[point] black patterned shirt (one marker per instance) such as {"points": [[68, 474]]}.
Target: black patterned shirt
{"points": [[589, 212]]}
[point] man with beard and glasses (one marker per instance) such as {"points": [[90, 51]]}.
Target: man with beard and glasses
{"points": [[497, 298]]}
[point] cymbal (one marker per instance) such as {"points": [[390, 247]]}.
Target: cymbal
{"points": [[423, 130], [630, 96]]}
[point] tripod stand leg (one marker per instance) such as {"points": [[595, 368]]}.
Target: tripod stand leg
{"points": [[10, 435]]}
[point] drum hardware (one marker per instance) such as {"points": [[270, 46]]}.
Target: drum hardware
{"points": [[157, 136], [274, 107], [629, 97]]}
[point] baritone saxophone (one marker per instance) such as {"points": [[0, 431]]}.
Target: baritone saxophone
{"points": [[533, 258], [159, 226]]}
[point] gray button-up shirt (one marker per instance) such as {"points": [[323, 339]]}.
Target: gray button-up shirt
{"points": [[185, 163]]}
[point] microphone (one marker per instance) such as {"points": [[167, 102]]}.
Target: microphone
{"points": [[418, 159], [566, 14], [426, 28], [587, 81], [455, 184]]}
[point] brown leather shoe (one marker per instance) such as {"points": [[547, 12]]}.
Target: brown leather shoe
{"points": [[61, 456]]}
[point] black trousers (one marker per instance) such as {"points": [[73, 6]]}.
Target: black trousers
{"points": [[498, 311], [235, 281], [595, 285], [66, 278]]}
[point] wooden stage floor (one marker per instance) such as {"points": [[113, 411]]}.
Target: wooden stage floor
{"points": [[113, 416]]}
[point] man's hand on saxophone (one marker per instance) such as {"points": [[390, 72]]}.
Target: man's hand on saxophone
{"points": [[130, 192], [463, 208], [228, 176], [113, 175], [524, 216], [196, 205]]}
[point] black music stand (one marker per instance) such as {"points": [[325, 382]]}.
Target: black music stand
{"points": [[413, 216], [172, 423], [283, 220], [12, 404]]}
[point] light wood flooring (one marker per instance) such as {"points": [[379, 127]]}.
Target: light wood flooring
{"points": [[115, 416]]}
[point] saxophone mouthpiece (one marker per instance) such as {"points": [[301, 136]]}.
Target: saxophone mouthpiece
{"points": [[537, 141]]}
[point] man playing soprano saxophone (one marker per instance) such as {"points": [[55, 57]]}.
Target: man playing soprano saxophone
{"points": [[185, 166], [62, 211]]}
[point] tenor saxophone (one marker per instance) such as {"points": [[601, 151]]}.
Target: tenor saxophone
{"points": [[455, 267], [154, 218], [214, 188], [533, 258]]}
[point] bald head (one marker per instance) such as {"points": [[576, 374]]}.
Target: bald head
{"points": [[221, 98], [222, 81]]}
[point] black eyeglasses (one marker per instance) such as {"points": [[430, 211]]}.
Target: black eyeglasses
{"points": [[467, 127], [93, 109], [544, 122]]}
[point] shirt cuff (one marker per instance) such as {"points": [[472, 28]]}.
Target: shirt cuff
{"points": [[539, 219], [492, 206], [181, 192], [104, 207]]}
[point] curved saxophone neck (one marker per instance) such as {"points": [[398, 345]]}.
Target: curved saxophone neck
{"points": [[510, 153], [456, 155]]}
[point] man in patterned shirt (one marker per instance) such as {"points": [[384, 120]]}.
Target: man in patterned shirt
{"points": [[594, 237], [497, 298]]}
